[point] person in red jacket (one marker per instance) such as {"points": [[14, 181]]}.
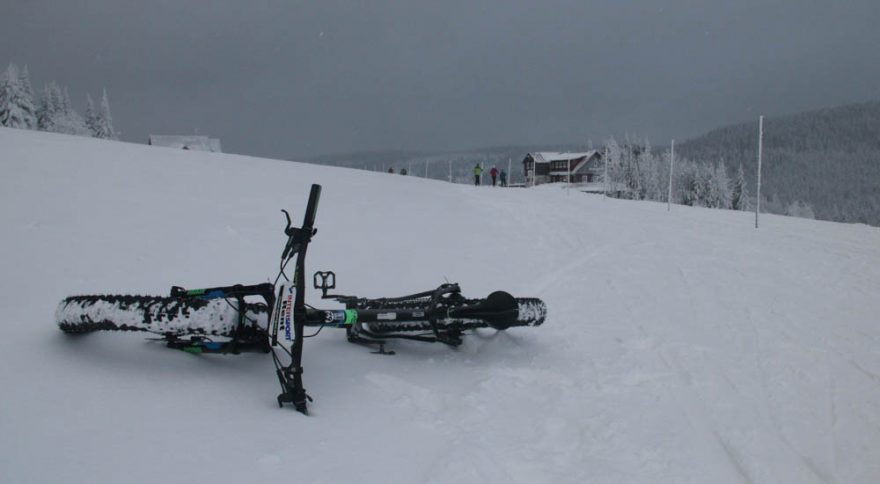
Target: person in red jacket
{"points": [[494, 173]]}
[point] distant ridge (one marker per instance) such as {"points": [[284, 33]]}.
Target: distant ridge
{"points": [[828, 158]]}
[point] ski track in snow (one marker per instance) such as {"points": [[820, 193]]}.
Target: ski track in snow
{"points": [[679, 347]]}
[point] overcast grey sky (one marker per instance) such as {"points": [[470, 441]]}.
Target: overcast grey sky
{"points": [[283, 78]]}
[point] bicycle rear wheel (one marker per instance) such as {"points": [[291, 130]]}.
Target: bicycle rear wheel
{"points": [[168, 316]]}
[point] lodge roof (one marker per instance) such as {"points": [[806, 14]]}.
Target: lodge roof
{"points": [[548, 156]]}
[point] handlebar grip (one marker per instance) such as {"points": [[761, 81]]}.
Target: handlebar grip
{"points": [[312, 207]]}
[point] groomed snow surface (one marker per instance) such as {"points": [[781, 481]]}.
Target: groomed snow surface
{"points": [[680, 346]]}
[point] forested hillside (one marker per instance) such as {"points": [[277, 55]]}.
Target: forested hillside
{"points": [[823, 164], [828, 158]]}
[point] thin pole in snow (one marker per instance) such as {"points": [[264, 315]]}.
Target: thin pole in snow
{"points": [[671, 166], [509, 172], [426, 168], [605, 177], [760, 156], [530, 174], [450, 171]]}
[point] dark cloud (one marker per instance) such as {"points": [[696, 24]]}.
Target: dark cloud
{"points": [[284, 78]]}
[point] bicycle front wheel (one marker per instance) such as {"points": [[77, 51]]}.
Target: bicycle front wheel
{"points": [[499, 310]]}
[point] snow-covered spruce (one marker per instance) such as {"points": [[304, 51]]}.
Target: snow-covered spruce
{"points": [[162, 315]]}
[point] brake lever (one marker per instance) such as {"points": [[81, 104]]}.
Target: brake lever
{"points": [[287, 229], [295, 236]]}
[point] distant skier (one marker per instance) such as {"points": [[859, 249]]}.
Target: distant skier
{"points": [[503, 178], [494, 173], [478, 170]]}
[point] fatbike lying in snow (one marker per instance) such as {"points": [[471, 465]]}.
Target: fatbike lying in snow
{"points": [[222, 320]]}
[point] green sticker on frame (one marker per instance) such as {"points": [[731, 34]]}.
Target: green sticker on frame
{"points": [[351, 316]]}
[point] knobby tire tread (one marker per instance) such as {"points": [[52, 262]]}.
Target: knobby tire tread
{"points": [[532, 312], [169, 316]]}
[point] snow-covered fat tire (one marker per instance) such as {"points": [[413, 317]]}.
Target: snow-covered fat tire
{"points": [[530, 312], [168, 316]]}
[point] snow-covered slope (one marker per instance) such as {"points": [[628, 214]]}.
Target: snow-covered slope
{"points": [[680, 346]]}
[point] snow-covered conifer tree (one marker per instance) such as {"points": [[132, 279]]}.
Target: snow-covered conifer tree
{"points": [[105, 120], [702, 184], [28, 103], [16, 100], [686, 182], [91, 116], [49, 107], [66, 104], [57, 114], [739, 197], [721, 191], [614, 161], [649, 173]]}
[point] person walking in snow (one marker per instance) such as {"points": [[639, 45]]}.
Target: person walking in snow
{"points": [[503, 178], [478, 170], [494, 173]]}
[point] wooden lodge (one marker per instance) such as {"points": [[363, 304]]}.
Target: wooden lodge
{"points": [[552, 167]]}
